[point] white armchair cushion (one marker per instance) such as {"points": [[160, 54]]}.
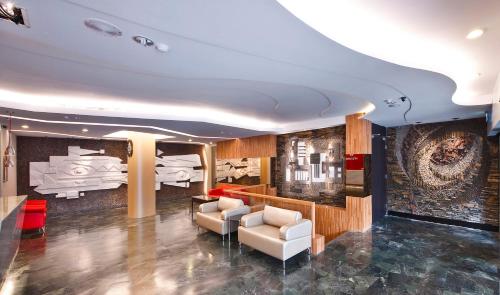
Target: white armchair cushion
{"points": [[225, 214], [278, 217], [297, 230], [209, 207], [229, 203], [252, 219]]}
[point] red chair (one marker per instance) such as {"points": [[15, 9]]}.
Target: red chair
{"points": [[35, 215], [219, 192]]}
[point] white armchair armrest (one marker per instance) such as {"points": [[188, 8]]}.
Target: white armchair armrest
{"points": [[303, 228], [242, 210], [253, 219], [209, 207]]}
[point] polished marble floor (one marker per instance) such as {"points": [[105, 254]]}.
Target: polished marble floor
{"points": [[105, 253]]}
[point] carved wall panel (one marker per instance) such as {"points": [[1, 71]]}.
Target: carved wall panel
{"points": [[235, 170]]}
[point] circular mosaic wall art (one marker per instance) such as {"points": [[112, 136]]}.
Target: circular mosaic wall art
{"points": [[444, 163]]}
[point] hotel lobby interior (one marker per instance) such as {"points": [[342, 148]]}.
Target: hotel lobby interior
{"points": [[249, 147]]}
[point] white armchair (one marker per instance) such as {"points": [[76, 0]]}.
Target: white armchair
{"points": [[219, 216], [277, 232]]}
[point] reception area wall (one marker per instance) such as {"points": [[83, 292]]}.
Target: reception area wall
{"points": [[39, 149], [320, 151], [444, 172]]}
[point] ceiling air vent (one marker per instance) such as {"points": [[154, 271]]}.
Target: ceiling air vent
{"points": [[103, 27]]}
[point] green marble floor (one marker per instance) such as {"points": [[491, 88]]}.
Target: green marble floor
{"points": [[106, 253]]}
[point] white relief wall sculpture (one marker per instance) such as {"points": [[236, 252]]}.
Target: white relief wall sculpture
{"points": [[88, 170], [81, 170], [178, 170], [237, 168]]}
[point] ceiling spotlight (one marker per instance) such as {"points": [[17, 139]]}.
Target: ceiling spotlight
{"points": [[10, 12], [103, 27], [85, 130], [25, 126], [474, 34], [210, 143], [146, 42], [190, 140]]}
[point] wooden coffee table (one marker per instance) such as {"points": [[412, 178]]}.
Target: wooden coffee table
{"points": [[200, 200]]}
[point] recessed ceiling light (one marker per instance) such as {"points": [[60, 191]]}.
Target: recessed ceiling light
{"points": [[418, 122], [25, 126], [210, 143], [190, 140], [103, 27], [84, 130], [474, 34], [455, 118], [146, 42]]}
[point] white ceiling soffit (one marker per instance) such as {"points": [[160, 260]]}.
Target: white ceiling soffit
{"points": [[424, 34], [251, 65]]}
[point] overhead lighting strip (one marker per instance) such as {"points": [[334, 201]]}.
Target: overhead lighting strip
{"points": [[112, 125]]}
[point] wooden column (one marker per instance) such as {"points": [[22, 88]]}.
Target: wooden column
{"points": [[358, 135], [141, 175]]}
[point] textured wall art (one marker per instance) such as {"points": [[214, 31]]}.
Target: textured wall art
{"points": [[239, 171], [82, 170], [310, 165], [447, 170], [178, 170]]}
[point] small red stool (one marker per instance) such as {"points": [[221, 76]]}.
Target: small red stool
{"points": [[35, 215]]}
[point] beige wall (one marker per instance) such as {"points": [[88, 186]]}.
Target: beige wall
{"points": [[8, 188]]}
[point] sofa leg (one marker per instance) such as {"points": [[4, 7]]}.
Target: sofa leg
{"points": [[284, 267], [223, 237]]}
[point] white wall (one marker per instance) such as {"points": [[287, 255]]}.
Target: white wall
{"points": [[8, 188]]}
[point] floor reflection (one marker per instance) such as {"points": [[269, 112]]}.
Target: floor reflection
{"points": [[107, 253]]}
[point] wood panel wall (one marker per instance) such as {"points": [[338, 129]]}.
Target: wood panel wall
{"points": [[328, 221], [358, 135], [333, 221], [250, 147]]}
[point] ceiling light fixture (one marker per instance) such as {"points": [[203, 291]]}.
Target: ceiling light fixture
{"points": [[124, 134], [85, 130], [53, 133], [190, 140], [103, 27], [146, 42], [73, 104], [12, 13], [25, 126], [474, 34]]}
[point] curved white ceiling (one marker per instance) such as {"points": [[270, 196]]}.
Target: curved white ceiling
{"points": [[251, 65], [425, 34]]}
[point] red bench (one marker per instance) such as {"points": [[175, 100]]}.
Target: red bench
{"points": [[219, 192], [35, 215]]}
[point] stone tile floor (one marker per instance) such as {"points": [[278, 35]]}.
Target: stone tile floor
{"points": [[105, 253]]}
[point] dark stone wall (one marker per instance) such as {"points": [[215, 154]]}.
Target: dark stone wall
{"points": [[38, 149], [445, 170], [331, 192]]}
